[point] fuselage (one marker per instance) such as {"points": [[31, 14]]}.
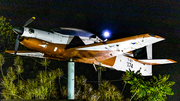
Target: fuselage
{"points": [[82, 46], [60, 46]]}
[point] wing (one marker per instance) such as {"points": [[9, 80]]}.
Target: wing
{"points": [[123, 45], [27, 53], [34, 54]]}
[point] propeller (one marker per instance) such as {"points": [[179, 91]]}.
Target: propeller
{"points": [[19, 32], [29, 21], [16, 44]]}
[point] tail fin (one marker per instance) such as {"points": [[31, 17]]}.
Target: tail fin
{"points": [[147, 52], [143, 53]]}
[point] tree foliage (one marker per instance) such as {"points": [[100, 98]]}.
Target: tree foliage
{"points": [[42, 87], [7, 37], [1, 63], [109, 92], [84, 91], [45, 63], [101, 68], [5, 27], [19, 66], [155, 89]]}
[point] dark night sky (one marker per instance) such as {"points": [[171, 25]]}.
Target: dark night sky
{"points": [[122, 17]]}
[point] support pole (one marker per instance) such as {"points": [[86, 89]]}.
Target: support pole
{"points": [[99, 77], [71, 72]]}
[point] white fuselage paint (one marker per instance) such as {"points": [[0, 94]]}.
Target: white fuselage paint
{"points": [[54, 37], [44, 46], [32, 54], [88, 40], [55, 49], [124, 63], [132, 45]]}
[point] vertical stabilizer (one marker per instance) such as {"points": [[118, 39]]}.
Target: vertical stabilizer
{"points": [[149, 56], [149, 51]]}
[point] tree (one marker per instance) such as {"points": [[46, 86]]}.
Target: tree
{"points": [[154, 90], [1, 63], [126, 77], [160, 88], [109, 92], [19, 66], [83, 90], [45, 63], [7, 37], [42, 87]]}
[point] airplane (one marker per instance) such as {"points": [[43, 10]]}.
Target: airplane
{"points": [[131, 53]]}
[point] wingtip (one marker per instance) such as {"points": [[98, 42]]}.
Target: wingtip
{"points": [[9, 51], [153, 35], [173, 61]]}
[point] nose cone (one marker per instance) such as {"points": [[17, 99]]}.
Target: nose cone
{"points": [[18, 30]]}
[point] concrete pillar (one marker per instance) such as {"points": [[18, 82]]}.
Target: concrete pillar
{"points": [[71, 73]]}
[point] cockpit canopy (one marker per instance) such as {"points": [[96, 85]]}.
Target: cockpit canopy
{"points": [[74, 32]]}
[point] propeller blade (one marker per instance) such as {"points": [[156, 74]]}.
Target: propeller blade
{"points": [[29, 21], [18, 30], [14, 31], [16, 44]]}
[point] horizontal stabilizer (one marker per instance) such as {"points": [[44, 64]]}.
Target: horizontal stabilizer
{"points": [[153, 61], [156, 61]]}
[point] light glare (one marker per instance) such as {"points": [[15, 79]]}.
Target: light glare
{"points": [[106, 33]]}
